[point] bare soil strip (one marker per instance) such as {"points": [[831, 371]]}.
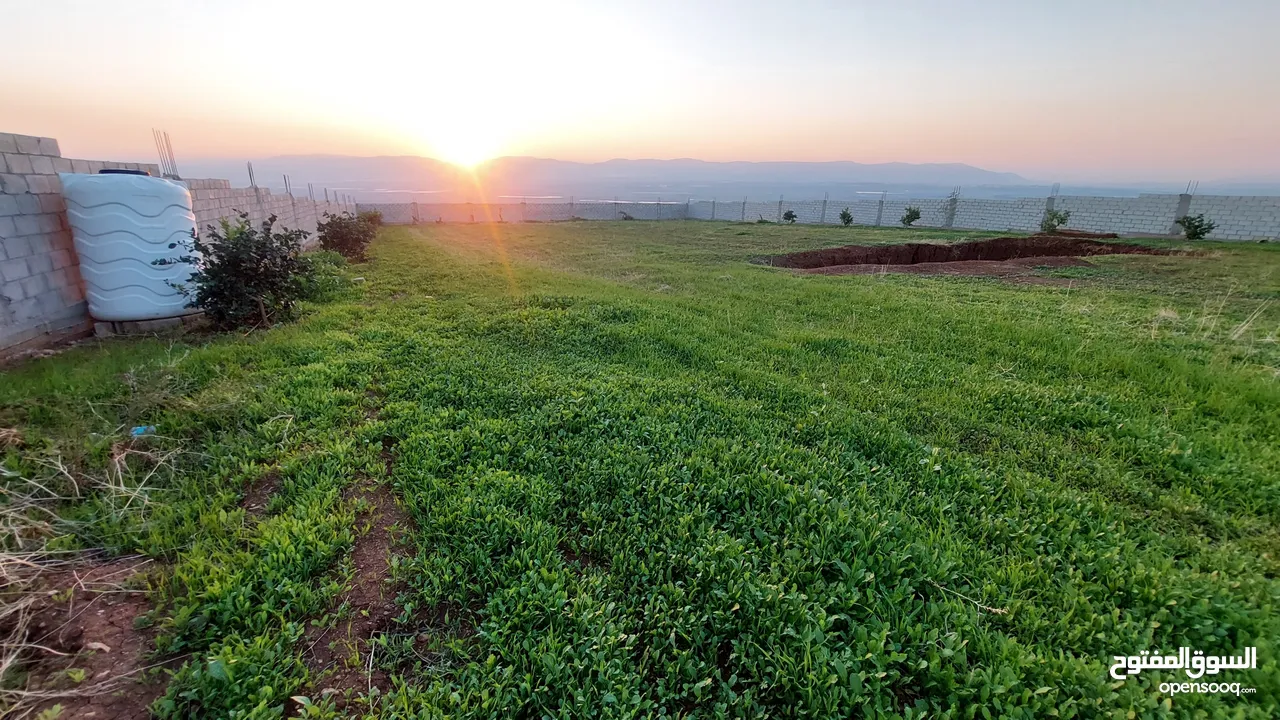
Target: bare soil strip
{"points": [[1004, 256], [93, 659], [342, 656], [259, 494]]}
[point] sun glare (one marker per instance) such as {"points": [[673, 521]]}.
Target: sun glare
{"points": [[465, 148]]}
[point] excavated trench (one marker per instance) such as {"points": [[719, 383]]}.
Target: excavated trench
{"points": [[995, 257]]}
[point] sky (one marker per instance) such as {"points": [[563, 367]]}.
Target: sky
{"points": [[1075, 90]]}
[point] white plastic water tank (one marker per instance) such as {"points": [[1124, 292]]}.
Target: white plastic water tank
{"points": [[121, 224]]}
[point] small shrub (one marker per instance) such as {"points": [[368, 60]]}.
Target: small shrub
{"points": [[846, 217], [1054, 219], [346, 234], [246, 276], [911, 215], [373, 217], [762, 221], [1196, 227], [789, 216]]}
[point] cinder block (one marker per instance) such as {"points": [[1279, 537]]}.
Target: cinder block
{"points": [[49, 146], [8, 205], [61, 259], [18, 247], [62, 165], [72, 275], [28, 144], [49, 222], [42, 164], [40, 248], [28, 204], [33, 285], [8, 143], [13, 184], [55, 279], [18, 163], [37, 184], [51, 302], [14, 270], [52, 203], [26, 310], [7, 228], [28, 224], [80, 166]]}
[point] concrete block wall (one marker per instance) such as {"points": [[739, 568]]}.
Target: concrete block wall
{"points": [[1239, 217], [932, 212], [457, 213], [1148, 214], [213, 200], [1022, 214]]}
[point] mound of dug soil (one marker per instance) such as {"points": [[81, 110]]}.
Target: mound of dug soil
{"points": [[997, 256]]}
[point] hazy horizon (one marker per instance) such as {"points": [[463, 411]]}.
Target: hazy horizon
{"points": [[1108, 92]]}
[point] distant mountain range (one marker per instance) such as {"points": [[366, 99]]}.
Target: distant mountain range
{"points": [[406, 178]]}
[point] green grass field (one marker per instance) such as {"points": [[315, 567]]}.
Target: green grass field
{"points": [[645, 477]]}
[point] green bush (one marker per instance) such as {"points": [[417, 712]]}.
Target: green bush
{"points": [[846, 217], [373, 217], [911, 215], [347, 234], [789, 216], [1196, 227], [246, 276], [1054, 219]]}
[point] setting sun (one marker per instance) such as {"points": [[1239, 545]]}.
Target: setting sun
{"points": [[465, 149], [464, 140]]}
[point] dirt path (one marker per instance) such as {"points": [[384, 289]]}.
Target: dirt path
{"points": [[341, 656]]}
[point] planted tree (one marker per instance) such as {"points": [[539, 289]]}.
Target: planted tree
{"points": [[911, 215], [245, 276], [789, 216], [346, 234], [1196, 227], [1054, 219], [846, 217]]}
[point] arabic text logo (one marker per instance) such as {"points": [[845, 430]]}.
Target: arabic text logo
{"points": [[1196, 664]]}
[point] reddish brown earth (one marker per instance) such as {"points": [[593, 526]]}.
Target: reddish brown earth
{"points": [[975, 268], [260, 492], [999, 257], [84, 620]]}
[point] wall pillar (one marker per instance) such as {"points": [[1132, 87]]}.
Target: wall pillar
{"points": [[1183, 209]]}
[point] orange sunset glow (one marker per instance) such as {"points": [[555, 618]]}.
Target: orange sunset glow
{"points": [[1094, 91]]}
